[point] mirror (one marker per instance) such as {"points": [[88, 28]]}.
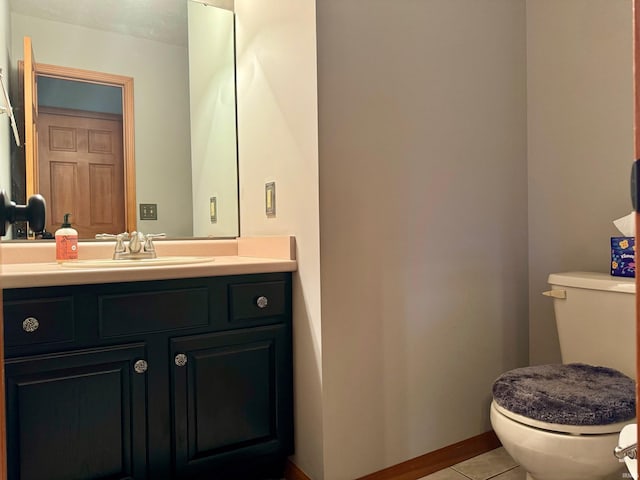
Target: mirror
{"points": [[184, 103]]}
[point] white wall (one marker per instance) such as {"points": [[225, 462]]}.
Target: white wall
{"points": [[212, 99], [163, 173], [423, 223], [422, 213], [277, 134], [580, 144]]}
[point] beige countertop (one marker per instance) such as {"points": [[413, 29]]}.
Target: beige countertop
{"points": [[29, 265]]}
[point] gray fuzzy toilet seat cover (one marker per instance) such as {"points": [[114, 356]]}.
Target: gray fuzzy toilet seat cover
{"points": [[570, 394]]}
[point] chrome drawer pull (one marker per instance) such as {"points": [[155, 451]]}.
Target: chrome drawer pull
{"points": [[262, 302], [181, 359], [30, 324], [140, 366]]}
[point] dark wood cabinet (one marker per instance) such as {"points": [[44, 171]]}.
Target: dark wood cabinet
{"points": [[231, 395], [77, 415], [174, 379]]}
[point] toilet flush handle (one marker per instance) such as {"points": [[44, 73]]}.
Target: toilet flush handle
{"points": [[556, 293], [631, 451]]}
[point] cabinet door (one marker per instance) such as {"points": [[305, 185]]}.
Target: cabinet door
{"points": [[77, 416], [232, 401]]}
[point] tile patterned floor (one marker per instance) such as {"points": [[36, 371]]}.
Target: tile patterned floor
{"points": [[496, 465]]}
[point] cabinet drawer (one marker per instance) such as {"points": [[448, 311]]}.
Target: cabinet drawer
{"points": [[249, 301], [38, 321], [148, 312]]}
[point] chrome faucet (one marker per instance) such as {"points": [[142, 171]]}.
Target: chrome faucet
{"points": [[136, 242], [140, 245]]}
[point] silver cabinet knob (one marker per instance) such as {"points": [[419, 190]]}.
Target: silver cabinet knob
{"points": [[181, 359], [262, 302], [30, 324], [140, 366]]}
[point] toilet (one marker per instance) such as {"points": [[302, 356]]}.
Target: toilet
{"points": [[562, 422]]}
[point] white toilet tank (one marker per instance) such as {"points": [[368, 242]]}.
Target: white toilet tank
{"points": [[596, 321]]}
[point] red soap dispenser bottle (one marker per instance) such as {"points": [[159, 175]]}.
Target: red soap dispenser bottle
{"points": [[66, 241]]}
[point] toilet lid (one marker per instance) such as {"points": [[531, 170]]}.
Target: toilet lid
{"points": [[572, 394]]}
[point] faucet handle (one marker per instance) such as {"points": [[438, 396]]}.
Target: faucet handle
{"points": [[123, 235], [148, 244], [120, 237]]}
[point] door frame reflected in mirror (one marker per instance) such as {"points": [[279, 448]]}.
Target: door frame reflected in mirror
{"points": [[101, 78]]}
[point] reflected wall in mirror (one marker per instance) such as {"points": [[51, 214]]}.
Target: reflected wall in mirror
{"points": [[184, 97]]}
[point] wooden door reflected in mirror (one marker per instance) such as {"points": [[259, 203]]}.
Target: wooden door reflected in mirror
{"points": [[79, 149]]}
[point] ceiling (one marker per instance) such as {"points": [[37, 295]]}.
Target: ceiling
{"points": [[159, 20]]}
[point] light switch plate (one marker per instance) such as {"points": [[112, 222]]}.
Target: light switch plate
{"points": [[270, 199], [148, 211], [213, 209]]}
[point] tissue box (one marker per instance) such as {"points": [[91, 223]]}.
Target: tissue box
{"points": [[623, 256]]}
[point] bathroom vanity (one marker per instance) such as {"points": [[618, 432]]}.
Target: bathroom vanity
{"points": [[175, 378]]}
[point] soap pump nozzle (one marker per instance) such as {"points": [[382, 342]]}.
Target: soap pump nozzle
{"points": [[65, 221]]}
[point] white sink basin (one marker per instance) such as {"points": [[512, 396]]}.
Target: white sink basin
{"points": [[129, 263]]}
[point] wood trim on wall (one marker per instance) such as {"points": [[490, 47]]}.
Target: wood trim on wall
{"points": [[423, 465], [437, 460], [293, 472]]}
